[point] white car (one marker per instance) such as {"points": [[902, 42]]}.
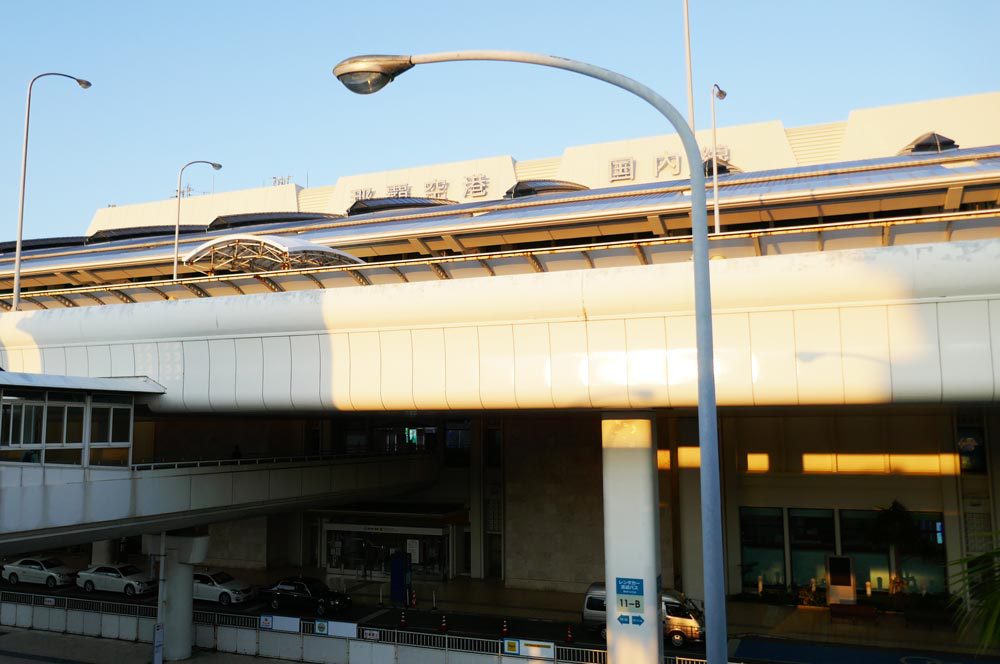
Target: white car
{"points": [[50, 571], [127, 579], [216, 586]]}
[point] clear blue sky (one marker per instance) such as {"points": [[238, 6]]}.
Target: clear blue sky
{"points": [[249, 84]]}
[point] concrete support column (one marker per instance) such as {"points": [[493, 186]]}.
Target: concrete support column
{"points": [[103, 552], [179, 608], [631, 539]]}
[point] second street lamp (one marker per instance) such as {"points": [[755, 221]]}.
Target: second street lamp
{"points": [[177, 227], [720, 94], [16, 303], [369, 73]]}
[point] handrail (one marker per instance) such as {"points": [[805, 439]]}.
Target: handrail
{"points": [[256, 461]]}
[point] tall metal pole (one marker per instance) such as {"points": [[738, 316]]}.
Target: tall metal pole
{"points": [[159, 634], [711, 501], [16, 304], [715, 166], [177, 226], [687, 59]]}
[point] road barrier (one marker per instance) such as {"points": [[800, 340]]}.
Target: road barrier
{"points": [[292, 639]]}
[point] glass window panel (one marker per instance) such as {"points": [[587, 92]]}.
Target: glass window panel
{"points": [[21, 395], [762, 536], [811, 536], [74, 424], [923, 562], [860, 540], [109, 456], [68, 457], [67, 397], [116, 399], [33, 414], [121, 420], [54, 424], [100, 425], [22, 456], [5, 417], [15, 424]]}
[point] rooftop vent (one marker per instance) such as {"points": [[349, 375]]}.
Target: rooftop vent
{"points": [[533, 187], [382, 204], [724, 167], [259, 218], [112, 234], [929, 142]]}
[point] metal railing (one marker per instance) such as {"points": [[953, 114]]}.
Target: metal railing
{"points": [[263, 460]]}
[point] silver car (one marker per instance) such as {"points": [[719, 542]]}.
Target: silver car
{"points": [[50, 571], [217, 586], [127, 579]]}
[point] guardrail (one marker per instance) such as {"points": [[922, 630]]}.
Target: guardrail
{"points": [[563, 654], [256, 461]]}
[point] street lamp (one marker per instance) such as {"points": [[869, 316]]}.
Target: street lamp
{"points": [[720, 94], [177, 227], [370, 73], [16, 304]]}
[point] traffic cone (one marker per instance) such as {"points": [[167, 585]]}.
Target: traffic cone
{"points": [[444, 624], [402, 620], [569, 634], [503, 630]]}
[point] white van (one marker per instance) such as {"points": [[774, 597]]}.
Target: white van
{"points": [[683, 622]]}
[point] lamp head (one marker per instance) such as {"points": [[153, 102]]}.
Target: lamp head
{"points": [[720, 94], [365, 74], [215, 165], [83, 83]]}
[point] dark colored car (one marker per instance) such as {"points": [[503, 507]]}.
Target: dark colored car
{"points": [[303, 592]]}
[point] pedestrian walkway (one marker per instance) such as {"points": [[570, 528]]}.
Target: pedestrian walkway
{"points": [[25, 646]]}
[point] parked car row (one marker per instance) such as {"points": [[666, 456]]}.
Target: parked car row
{"points": [[210, 585], [129, 580]]}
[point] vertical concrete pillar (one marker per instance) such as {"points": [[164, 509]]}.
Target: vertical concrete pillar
{"points": [[103, 552], [179, 609], [631, 539]]}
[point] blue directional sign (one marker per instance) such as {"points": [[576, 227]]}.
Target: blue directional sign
{"points": [[627, 586], [623, 620], [637, 620]]}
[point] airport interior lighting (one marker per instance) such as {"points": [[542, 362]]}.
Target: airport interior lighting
{"points": [[366, 74]]}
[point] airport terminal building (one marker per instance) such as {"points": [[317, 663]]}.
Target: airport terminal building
{"points": [[419, 360]]}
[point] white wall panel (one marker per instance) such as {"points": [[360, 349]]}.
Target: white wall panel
{"points": [[335, 371], [496, 366], [864, 339], [54, 360], [15, 360], [171, 356], [966, 359], [366, 371], [532, 366], [429, 369], [733, 364], [197, 368], [608, 363], [820, 372], [250, 487], [772, 336], [397, 370], [682, 361], [315, 479], [646, 341], [305, 359], [570, 365], [277, 387], [155, 495], [122, 360], [213, 490], [76, 361], [249, 374], [914, 352], [222, 374], [147, 360], [99, 361], [461, 356], [31, 360]]}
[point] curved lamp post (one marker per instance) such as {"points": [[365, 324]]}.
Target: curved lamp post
{"points": [[177, 226], [16, 304], [370, 73], [720, 94]]}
